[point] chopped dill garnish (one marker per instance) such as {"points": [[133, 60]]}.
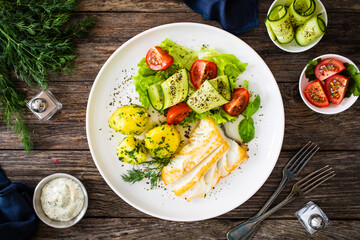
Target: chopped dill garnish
{"points": [[151, 171]]}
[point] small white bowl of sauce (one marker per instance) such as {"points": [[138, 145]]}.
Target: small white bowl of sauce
{"points": [[60, 200]]}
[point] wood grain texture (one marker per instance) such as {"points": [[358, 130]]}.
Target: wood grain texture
{"points": [[338, 198], [138, 228], [178, 6]]}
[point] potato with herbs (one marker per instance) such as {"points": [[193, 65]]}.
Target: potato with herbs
{"points": [[129, 120], [162, 141], [131, 150]]}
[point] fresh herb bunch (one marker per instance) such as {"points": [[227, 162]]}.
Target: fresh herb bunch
{"points": [[11, 103], [152, 171], [36, 39]]}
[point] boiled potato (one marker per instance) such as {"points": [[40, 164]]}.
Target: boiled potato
{"points": [[162, 141], [131, 150], [129, 120]]}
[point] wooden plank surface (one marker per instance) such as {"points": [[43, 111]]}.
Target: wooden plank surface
{"points": [[109, 217], [339, 198], [139, 228], [179, 6]]}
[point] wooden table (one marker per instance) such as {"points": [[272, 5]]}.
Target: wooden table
{"points": [[63, 138]]}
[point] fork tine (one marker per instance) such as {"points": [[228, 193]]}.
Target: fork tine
{"points": [[302, 154], [304, 186], [311, 174], [298, 162], [305, 160], [328, 176], [315, 179], [299, 152]]}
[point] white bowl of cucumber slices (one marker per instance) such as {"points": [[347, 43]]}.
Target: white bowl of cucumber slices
{"points": [[296, 25]]}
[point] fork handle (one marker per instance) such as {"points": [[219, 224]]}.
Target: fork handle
{"points": [[246, 230], [281, 186]]}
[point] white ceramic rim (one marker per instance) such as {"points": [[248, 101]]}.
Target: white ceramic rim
{"points": [[37, 205], [335, 108], [299, 48], [276, 151]]}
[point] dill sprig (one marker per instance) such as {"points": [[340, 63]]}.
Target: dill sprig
{"points": [[36, 39], [11, 105], [151, 171]]}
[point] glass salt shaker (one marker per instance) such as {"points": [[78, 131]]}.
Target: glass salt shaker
{"points": [[312, 217], [44, 105]]}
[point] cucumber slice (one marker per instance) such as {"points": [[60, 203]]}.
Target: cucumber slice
{"points": [[267, 24], [310, 31], [311, 10], [301, 10], [192, 89], [156, 96], [277, 13], [279, 20], [205, 98], [288, 3], [222, 84], [176, 88]]}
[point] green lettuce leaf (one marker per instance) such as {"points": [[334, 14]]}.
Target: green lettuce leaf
{"points": [[184, 57], [354, 85], [218, 115], [246, 84], [309, 72], [350, 70], [354, 80], [228, 65]]}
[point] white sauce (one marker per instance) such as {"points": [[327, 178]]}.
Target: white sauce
{"points": [[62, 199]]}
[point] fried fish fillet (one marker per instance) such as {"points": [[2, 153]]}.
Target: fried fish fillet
{"points": [[228, 162], [204, 139], [188, 180]]}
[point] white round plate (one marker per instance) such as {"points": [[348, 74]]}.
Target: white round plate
{"points": [[332, 108], [292, 46], [114, 84]]}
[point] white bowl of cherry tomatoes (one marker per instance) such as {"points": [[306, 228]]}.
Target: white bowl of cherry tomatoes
{"points": [[329, 84]]}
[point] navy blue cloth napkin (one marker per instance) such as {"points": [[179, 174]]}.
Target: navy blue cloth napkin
{"points": [[236, 16], [17, 216]]}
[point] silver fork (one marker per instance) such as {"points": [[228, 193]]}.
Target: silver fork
{"points": [[290, 171], [302, 187]]}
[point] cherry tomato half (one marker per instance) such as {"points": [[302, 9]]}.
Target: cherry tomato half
{"points": [[315, 94], [328, 67], [238, 103], [202, 70], [177, 113], [335, 88], [158, 59]]}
